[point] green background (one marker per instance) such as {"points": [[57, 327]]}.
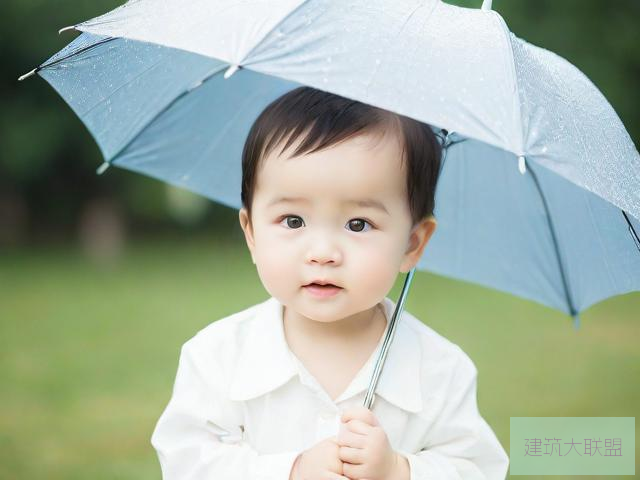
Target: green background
{"points": [[103, 278]]}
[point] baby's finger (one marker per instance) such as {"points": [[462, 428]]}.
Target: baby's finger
{"points": [[360, 413], [358, 426], [335, 476], [347, 438], [354, 456]]}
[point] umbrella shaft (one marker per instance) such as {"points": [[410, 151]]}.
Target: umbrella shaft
{"points": [[391, 328]]}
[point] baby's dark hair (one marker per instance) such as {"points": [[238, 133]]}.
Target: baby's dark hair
{"points": [[328, 119]]}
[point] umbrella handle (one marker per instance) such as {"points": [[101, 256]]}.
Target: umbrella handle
{"points": [[391, 329]]}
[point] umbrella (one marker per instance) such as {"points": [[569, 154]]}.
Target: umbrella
{"points": [[539, 191]]}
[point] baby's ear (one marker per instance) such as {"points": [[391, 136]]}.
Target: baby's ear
{"points": [[420, 235], [247, 228]]}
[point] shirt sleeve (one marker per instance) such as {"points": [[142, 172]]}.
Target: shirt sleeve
{"points": [[461, 445], [197, 438]]}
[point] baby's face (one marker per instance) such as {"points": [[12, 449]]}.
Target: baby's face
{"points": [[307, 225]]}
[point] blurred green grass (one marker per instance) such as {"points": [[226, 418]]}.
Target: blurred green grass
{"points": [[89, 353]]}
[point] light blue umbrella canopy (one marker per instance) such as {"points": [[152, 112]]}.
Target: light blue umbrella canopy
{"points": [[539, 192]]}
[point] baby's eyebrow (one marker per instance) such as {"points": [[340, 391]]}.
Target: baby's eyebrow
{"points": [[364, 202]]}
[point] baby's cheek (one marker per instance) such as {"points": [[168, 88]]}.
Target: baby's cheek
{"points": [[377, 269], [273, 266]]}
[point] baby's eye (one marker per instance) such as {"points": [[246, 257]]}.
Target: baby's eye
{"points": [[358, 224], [297, 221]]}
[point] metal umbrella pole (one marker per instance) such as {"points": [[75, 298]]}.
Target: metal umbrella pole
{"points": [[369, 398]]}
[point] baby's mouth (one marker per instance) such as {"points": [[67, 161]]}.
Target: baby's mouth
{"points": [[322, 290], [327, 285]]}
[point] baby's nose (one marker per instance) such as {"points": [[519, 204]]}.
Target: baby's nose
{"points": [[323, 250], [324, 257]]}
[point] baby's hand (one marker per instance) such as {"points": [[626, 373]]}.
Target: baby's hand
{"points": [[320, 462], [364, 447]]}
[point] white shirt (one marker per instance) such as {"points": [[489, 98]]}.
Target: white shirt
{"points": [[243, 406]]}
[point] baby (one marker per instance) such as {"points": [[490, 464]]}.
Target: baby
{"points": [[338, 197]]}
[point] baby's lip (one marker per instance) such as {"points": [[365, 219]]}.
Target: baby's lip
{"points": [[322, 281]]}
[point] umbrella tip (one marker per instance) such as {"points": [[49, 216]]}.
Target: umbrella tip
{"points": [[27, 75], [486, 4], [231, 70], [70, 27], [100, 170], [522, 164]]}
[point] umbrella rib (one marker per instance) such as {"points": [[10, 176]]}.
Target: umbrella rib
{"points": [[166, 107], [377, 67], [565, 285], [76, 52], [632, 231], [445, 144], [163, 110], [276, 25]]}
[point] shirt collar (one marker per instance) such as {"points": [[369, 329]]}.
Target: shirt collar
{"points": [[266, 361]]}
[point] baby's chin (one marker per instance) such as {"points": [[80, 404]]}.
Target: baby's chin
{"points": [[325, 313], [318, 311], [332, 319]]}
